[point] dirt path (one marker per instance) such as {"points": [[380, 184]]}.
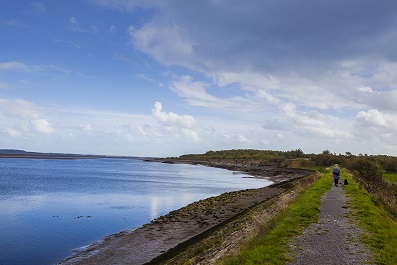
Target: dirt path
{"points": [[333, 239]]}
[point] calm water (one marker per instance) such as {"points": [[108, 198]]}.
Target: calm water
{"points": [[50, 207]]}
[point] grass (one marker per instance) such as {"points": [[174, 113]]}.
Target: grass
{"points": [[271, 246], [381, 230], [392, 177]]}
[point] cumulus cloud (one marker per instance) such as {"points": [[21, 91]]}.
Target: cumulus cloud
{"points": [[42, 126], [191, 134], [313, 123], [175, 123], [374, 117], [172, 119], [26, 118]]}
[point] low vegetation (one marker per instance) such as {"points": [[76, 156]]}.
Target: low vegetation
{"points": [[372, 192], [271, 246], [392, 177], [381, 229], [370, 174]]}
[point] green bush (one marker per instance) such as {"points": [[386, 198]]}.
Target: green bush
{"points": [[365, 168]]}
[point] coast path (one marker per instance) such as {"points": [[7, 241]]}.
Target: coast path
{"points": [[334, 239]]}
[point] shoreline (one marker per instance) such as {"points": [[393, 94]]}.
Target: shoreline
{"points": [[168, 234]]}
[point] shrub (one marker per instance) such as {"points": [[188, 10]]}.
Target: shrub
{"points": [[365, 168]]}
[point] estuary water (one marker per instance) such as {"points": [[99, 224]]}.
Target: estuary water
{"points": [[48, 208]]}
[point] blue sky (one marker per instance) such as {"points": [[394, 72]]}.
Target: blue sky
{"points": [[166, 78]]}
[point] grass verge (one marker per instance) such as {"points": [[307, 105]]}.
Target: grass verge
{"points": [[381, 235], [271, 245], [392, 177]]}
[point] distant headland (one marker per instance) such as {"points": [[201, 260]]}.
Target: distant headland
{"points": [[15, 153]]}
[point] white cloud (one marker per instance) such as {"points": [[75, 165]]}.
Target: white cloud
{"points": [[14, 133], [373, 117], [191, 134], [280, 136], [313, 123], [194, 92], [42, 126], [262, 85], [17, 66], [14, 66], [19, 108], [175, 124], [164, 43], [86, 127], [74, 25], [172, 119], [365, 89]]}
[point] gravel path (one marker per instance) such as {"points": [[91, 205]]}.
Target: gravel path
{"points": [[333, 239]]}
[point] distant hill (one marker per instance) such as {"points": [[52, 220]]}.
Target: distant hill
{"points": [[15, 153], [12, 151]]}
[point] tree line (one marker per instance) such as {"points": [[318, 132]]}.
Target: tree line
{"points": [[249, 154]]}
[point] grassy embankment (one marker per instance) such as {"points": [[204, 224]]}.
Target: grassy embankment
{"points": [[392, 177], [381, 236], [271, 246]]}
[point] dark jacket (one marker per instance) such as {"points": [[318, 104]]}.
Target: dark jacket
{"points": [[336, 172]]}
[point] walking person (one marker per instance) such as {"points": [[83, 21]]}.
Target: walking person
{"points": [[336, 174]]}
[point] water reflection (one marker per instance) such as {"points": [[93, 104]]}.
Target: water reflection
{"points": [[50, 207]]}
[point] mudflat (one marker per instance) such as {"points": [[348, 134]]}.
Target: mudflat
{"points": [[167, 234]]}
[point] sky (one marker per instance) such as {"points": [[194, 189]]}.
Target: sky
{"points": [[167, 78]]}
